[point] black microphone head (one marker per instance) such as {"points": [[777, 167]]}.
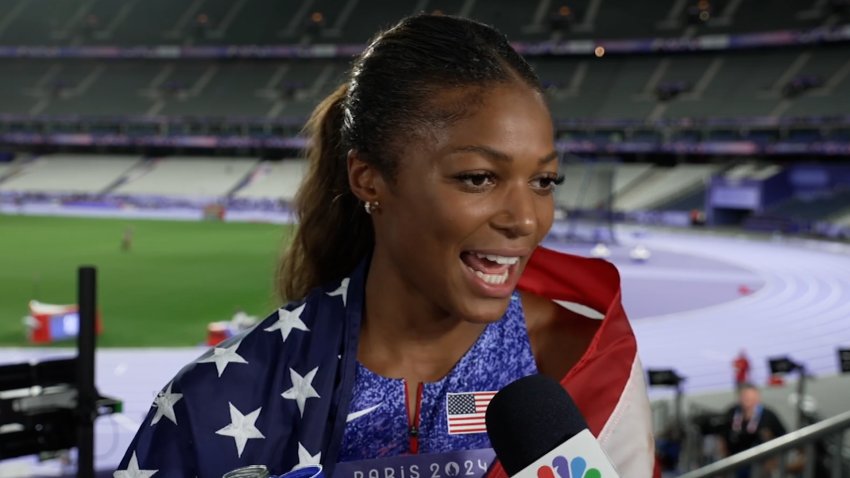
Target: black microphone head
{"points": [[529, 418]]}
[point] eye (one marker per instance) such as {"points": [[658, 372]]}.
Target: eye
{"points": [[477, 180], [547, 182]]}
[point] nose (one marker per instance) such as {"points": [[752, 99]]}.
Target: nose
{"points": [[517, 215]]}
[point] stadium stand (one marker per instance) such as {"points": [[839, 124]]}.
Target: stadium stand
{"points": [[843, 218], [687, 199], [5, 169], [736, 84], [19, 81], [340, 27], [822, 208], [189, 177], [312, 81], [611, 87], [662, 184], [69, 174], [588, 186], [582, 189], [741, 170], [634, 187], [682, 85], [629, 175], [324, 21], [598, 89], [232, 90], [274, 180]]}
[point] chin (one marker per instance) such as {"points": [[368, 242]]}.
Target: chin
{"points": [[484, 311]]}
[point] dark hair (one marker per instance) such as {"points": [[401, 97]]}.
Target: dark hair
{"points": [[387, 98], [747, 386]]}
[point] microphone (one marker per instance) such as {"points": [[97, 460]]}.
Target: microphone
{"points": [[538, 432]]}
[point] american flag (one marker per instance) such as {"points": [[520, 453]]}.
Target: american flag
{"points": [[272, 396], [268, 397], [465, 411], [607, 384]]}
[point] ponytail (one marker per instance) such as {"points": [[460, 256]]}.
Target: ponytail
{"points": [[334, 233]]}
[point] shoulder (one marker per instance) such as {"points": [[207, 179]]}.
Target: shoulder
{"points": [[288, 336], [559, 336], [543, 315], [273, 378], [235, 359], [772, 418]]}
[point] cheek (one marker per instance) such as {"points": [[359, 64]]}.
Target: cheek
{"points": [[419, 230], [545, 215], [450, 216]]}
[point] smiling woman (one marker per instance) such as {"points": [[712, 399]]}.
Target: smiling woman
{"points": [[475, 200], [430, 188]]}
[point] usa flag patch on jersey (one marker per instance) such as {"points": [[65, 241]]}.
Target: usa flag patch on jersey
{"points": [[465, 412]]}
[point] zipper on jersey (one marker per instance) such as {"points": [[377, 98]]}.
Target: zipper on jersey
{"points": [[413, 419]]}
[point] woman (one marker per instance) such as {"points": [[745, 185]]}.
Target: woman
{"points": [[429, 190]]}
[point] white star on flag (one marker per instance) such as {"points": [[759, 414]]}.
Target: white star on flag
{"points": [[302, 388], [223, 356], [288, 320], [306, 459], [341, 291], [164, 403], [133, 470], [241, 428]]}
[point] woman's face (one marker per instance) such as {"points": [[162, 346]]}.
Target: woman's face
{"points": [[470, 203]]}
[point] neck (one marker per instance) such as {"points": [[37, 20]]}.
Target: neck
{"points": [[404, 335]]}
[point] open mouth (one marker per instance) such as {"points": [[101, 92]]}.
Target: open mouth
{"points": [[492, 269]]}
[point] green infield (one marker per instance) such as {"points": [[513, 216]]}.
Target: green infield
{"points": [[175, 278]]}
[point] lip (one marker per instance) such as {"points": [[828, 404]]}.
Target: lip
{"points": [[496, 291], [521, 253]]}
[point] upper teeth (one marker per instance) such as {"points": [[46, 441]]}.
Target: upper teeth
{"points": [[498, 259]]}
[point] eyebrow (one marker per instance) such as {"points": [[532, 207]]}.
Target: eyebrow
{"points": [[498, 155]]}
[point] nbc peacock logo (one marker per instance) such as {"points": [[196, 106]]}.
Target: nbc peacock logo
{"points": [[575, 468]]}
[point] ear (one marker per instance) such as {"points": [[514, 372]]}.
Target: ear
{"points": [[364, 180]]}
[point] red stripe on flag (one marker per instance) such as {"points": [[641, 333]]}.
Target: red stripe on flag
{"points": [[467, 425], [472, 419], [597, 381], [460, 431]]}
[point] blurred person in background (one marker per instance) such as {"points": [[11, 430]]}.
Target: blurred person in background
{"points": [[415, 273], [741, 365], [749, 423], [127, 239]]}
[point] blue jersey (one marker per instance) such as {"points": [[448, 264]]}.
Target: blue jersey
{"points": [[378, 421]]}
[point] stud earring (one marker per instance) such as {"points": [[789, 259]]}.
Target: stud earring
{"points": [[371, 206]]}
